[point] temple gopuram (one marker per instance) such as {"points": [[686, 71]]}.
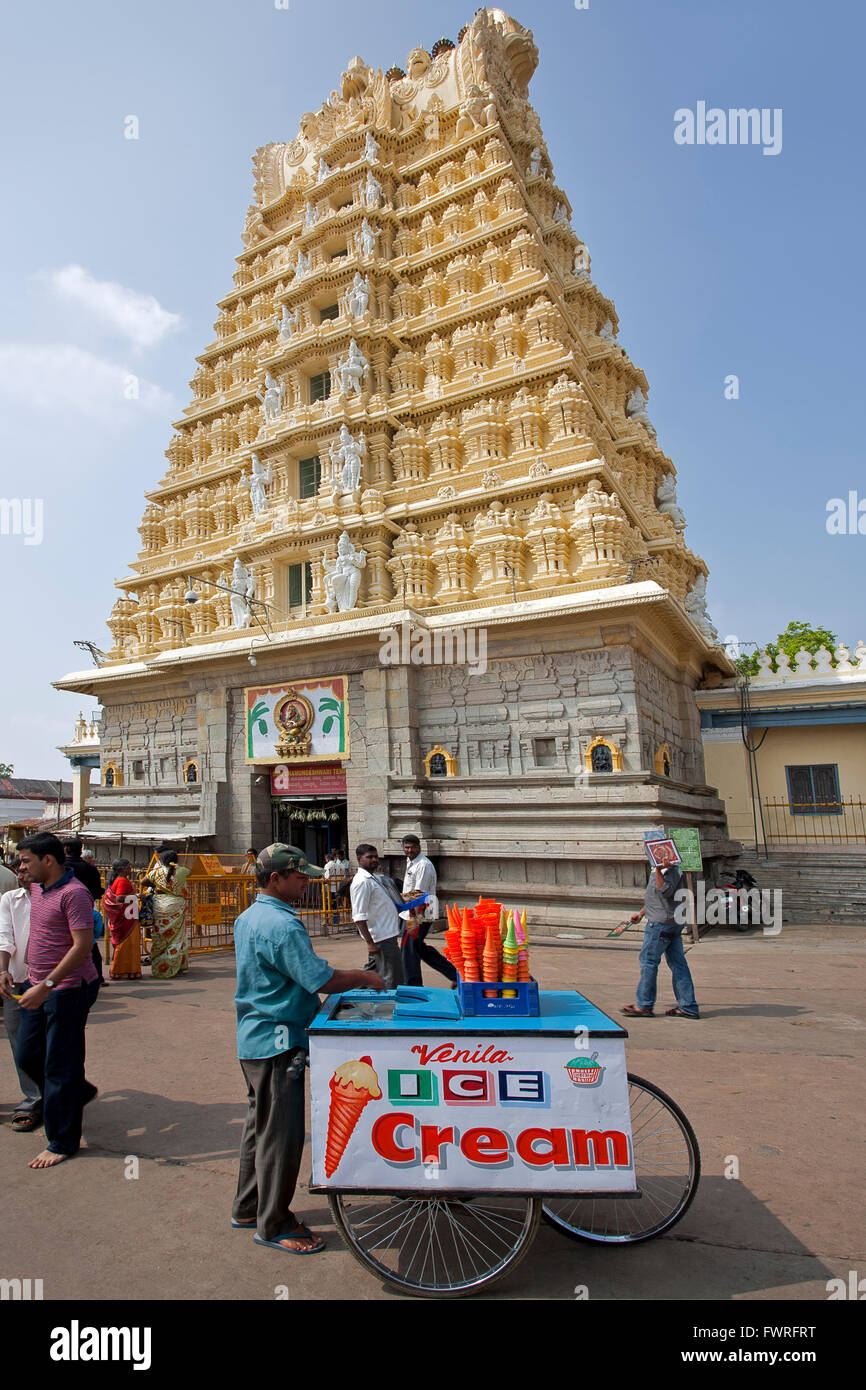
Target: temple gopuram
{"points": [[417, 561]]}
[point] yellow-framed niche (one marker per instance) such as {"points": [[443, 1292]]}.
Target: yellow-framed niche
{"points": [[111, 775], [615, 754], [440, 754], [662, 761], [190, 765]]}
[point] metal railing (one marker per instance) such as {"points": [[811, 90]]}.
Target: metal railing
{"points": [[814, 822]]}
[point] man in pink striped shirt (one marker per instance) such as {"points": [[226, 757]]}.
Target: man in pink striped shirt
{"points": [[62, 985]]}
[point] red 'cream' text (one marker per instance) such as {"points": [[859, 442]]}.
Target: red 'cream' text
{"points": [[447, 1052]]}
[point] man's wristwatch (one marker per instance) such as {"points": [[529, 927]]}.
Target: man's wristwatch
{"points": [[49, 984]]}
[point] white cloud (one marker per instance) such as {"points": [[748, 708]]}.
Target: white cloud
{"points": [[61, 379], [138, 317]]}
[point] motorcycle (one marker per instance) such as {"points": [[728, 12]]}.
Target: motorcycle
{"points": [[739, 907]]}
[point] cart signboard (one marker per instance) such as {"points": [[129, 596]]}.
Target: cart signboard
{"points": [[407, 1109], [688, 841]]}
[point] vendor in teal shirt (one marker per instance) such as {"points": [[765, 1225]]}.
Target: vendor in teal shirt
{"points": [[279, 980]]}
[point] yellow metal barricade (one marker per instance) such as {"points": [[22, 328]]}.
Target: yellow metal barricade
{"points": [[221, 886]]}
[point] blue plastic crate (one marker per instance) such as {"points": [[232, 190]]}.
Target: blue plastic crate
{"points": [[473, 1003]]}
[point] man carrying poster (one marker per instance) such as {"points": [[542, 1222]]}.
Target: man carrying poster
{"points": [[663, 937]]}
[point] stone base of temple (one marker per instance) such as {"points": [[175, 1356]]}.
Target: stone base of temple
{"points": [[530, 768]]}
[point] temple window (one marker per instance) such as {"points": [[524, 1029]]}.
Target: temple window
{"points": [[320, 387], [544, 752], [309, 476]]}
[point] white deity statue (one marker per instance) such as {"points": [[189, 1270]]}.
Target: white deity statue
{"points": [[242, 588], [351, 371], [302, 265], [311, 216], [371, 149], [288, 321], [636, 408], [535, 161], [358, 296], [606, 331], [347, 455], [696, 607], [561, 213], [581, 263], [371, 190], [343, 576], [256, 484], [322, 171], [666, 500], [367, 239], [271, 398]]}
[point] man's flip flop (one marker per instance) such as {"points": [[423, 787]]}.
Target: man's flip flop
{"points": [[632, 1012], [678, 1013], [302, 1233], [244, 1225]]}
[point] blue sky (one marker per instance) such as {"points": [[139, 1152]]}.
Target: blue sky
{"points": [[720, 260]]}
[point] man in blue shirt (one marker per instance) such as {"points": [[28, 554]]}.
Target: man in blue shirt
{"points": [[279, 980]]}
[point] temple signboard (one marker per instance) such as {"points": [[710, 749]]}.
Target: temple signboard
{"points": [[303, 720]]}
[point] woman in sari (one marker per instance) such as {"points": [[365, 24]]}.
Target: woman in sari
{"points": [[120, 905], [169, 952]]}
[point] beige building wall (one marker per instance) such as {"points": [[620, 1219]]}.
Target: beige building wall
{"points": [[728, 768]]}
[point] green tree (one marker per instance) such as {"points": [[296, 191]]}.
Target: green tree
{"points": [[795, 637], [6, 769]]}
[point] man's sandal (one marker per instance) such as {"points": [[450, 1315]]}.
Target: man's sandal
{"points": [[25, 1124], [678, 1013], [301, 1233], [632, 1012]]}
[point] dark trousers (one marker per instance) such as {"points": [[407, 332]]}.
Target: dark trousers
{"points": [[51, 1050], [271, 1145], [415, 949]]}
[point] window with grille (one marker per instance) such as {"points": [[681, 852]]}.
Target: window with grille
{"points": [[320, 387], [330, 311], [544, 751], [309, 476], [813, 789], [300, 584]]}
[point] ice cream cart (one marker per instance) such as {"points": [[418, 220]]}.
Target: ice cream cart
{"points": [[446, 1124]]}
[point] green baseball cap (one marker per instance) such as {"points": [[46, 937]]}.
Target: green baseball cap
{"points": [[281, 859]]}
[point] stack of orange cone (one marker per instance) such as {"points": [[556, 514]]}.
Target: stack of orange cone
{"points": [[469, 947]]}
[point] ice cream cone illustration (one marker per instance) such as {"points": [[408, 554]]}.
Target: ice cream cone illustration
{"points": [[352, 1086]]}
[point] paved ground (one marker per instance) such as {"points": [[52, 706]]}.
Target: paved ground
{"points": [[773, 1074]]}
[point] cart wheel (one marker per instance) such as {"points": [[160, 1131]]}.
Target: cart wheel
{"points": [[667, 1164], [438, 1247]]}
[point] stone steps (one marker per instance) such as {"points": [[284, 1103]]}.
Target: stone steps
{"points": [[815, 886]]}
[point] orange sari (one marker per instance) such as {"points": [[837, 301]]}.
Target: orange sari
{"points": [[120, 905]]}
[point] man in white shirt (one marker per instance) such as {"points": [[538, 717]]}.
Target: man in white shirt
{"points": [[420, 877], [374, 913], [14, 940]]}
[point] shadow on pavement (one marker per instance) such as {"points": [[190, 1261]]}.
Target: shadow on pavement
{"points": [[697, 1260], [153, 1126]]}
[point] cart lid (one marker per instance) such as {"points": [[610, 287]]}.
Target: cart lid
{"points": [[412, 1010]]}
